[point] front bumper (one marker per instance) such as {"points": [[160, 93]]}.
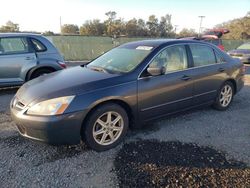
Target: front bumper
{"points": [[62, 129]]}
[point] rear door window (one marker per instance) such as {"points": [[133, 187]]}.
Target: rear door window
{"points": [[202, 55], [13, 45], [219, 58]]}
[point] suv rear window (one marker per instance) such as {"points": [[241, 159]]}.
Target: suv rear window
{"points": [[39, 47]]}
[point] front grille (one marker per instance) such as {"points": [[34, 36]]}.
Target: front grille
{"points": [[20, 105], [17, 104]]}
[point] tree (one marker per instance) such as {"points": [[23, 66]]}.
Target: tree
{"points": [[141, 28], [94, 28], [110, 22], [70, 29], [132, 28], [49, 33], [239, 28], [166, 27], [10, 27], [153, 25], [187, 33]]}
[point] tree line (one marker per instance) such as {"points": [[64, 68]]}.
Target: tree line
{"points": [[152, 27], [239, 28], [9, 27], [114, 26]]}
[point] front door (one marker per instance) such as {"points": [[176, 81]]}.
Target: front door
{"points": [[15, 55], [168, 93]]}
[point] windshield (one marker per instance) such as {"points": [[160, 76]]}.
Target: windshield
{"points": [[245, 46], [120, 60]]}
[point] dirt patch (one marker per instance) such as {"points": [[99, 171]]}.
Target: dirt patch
{"points": [[151, 163]]}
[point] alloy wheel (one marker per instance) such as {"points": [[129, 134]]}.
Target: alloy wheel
{"points": [[226, 95], [108, 128]]}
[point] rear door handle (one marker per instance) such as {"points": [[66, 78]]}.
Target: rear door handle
{"points": [[185, 78], [221, 69]]}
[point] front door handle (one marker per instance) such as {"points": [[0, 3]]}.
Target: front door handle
{"points": [[29, 58], [185, 78], [221, 69]]}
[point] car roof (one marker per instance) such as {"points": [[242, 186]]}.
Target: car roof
{"points": [[18, 34], [149, 42], [159, 42]]}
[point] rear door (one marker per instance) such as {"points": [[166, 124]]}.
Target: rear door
{"points": [[15, 57], [209, 72], [164, 94]]}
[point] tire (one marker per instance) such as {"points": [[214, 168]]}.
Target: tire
{"points": [[40, 72], [223, 101], [98, 123]]}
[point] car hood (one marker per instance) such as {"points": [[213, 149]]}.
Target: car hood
{"points": [[72, 81], [239, 51]]}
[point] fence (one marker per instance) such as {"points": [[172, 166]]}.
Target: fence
{"points": [[87, 48]]}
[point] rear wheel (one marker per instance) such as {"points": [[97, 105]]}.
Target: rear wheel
{"points": [[225, 96], [40, 72], [106, 127]]}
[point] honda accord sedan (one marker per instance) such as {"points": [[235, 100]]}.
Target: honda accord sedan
{"points": [[124, 88]]}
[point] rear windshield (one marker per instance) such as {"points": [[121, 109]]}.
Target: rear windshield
{"points": [[216, 42]]}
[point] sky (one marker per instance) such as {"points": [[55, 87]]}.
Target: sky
{"points": [[44, 15]]}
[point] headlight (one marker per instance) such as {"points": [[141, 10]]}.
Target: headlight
{"points": [[51, 107]]}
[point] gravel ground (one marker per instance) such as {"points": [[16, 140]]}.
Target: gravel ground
{"points": [[198, 148], [150, 163]]}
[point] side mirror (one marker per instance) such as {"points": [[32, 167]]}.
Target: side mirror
{"points": [[156, 71]]}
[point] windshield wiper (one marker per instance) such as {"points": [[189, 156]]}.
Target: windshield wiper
{"points": [[99, 69]]}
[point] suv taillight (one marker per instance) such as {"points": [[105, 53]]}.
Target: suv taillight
{"points": [[243, 69], [62, 64], [221, 47]]}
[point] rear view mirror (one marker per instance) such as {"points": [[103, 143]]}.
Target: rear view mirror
{"points": [[155, 71]]}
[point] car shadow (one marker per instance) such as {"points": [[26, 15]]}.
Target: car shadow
{"points": [[8, 91], [150, 163], [156, 125]]}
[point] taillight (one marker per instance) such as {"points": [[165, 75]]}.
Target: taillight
{"points": [[62, 64], [221, 47], [243, 69]]}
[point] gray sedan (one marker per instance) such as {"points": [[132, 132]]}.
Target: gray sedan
{"points": [[124, 88], [26, 56], [242, 53]]}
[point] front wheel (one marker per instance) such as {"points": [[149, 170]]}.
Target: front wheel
{"points": [[40, 72], [106, 127], [224, 97]]}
